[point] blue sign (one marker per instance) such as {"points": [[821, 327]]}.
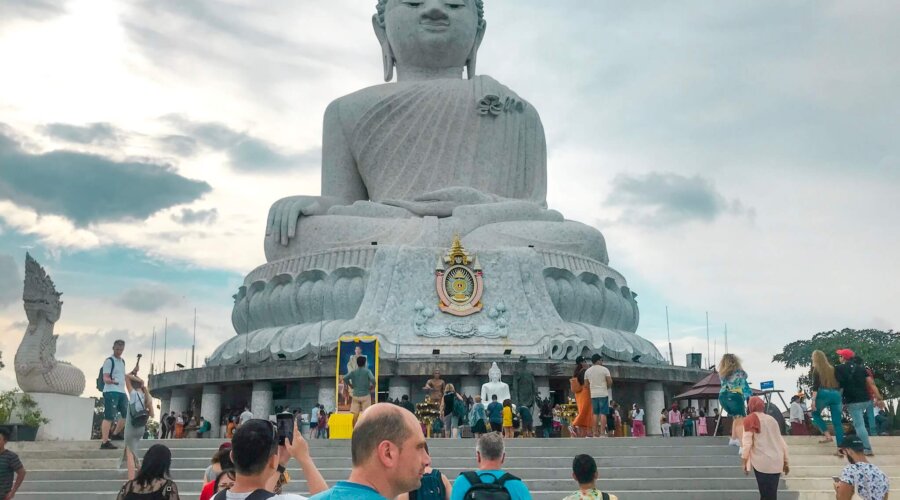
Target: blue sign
{"points": [[767, 386]]}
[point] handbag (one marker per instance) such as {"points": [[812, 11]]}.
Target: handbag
{"points": [[138, 417]]}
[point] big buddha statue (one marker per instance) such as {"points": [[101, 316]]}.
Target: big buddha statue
{"points": [[407, 167]]}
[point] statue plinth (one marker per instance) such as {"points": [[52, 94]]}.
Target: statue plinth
{"points": [[541, 304]]}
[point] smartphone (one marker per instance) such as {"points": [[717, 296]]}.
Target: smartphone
{"points": [[285, 425]]}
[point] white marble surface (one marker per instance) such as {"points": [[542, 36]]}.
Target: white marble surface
{"points": [[70, 417]]}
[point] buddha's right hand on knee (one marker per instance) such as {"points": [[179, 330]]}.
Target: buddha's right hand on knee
{"points": [[284, 214]]}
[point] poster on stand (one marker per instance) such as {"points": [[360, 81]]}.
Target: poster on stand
{"points": [[349, 349]]}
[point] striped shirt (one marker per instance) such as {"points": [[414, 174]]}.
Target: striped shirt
{"points": [[9, 464]]}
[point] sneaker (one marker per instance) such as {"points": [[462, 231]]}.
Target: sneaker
{"points": [[108, 446]]}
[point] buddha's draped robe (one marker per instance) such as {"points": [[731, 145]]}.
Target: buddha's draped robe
{"points": [[435, 134]]}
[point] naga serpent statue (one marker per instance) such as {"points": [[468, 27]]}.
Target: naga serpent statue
{"points": [[37, 369]]}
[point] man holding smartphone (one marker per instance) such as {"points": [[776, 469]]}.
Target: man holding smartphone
{"points": [[259, 460], [861, 477]]}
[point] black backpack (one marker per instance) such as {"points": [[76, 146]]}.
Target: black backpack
{"points": [[256, 495], [488, 491], [101, 384], [127, 492]]}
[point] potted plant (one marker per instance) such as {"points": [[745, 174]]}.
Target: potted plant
{"points": [[27, 414], [8, 404], [32, 418]]}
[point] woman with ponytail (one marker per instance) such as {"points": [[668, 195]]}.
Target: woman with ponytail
{"points": [[826, 393]]}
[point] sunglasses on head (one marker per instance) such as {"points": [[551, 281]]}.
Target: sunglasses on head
{"points": [[271, 426]]}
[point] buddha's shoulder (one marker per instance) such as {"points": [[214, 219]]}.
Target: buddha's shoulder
{"points": [[363, 98], [352, 106]]}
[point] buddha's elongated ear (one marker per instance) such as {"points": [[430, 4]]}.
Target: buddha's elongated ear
{"points": [[387, 54], [473, 56]]}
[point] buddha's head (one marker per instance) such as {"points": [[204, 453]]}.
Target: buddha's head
{"points": [[494, 373], [429, 34]]}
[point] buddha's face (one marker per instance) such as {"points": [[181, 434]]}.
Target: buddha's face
{"points": [[431, 33]]}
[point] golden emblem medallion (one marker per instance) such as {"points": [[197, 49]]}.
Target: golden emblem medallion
{"points": [[459, 281]]}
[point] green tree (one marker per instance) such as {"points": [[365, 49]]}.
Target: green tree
{"points": [[879, 349]]}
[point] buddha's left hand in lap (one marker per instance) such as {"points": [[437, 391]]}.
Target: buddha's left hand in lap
{"points": [[440, 203]]}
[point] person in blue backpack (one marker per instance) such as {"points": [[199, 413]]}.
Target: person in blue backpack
{"points": [[115, 395], [490, 481], [435, 485]]}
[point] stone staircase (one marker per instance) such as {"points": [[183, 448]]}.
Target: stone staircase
{"points": [[634, 469]]}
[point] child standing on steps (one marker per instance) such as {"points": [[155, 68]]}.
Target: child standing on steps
{"points": [[507, 419], [664, 424]]}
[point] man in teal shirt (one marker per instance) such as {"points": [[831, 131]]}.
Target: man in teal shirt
{"points": [[495, 414], [490, 455], [388, 453], [361, 382]]}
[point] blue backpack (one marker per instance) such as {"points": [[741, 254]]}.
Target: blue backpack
{"points": [[432, 488], [101, 384]]}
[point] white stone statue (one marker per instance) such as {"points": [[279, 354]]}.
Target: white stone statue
{"points": [[37, 370], [470, 152], [495, 386], [407, 166]]}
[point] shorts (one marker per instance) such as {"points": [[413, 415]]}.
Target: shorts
{"points": [[496, 426], [313, 425], [526, 419], [733, 403], [358, 404], [114, 404], [450, 422], [600, 405]]}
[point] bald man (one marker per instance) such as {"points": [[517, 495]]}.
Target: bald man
{"points": [[389, 456]]}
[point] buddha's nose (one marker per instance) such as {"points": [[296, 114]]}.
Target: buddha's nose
{"points": [[435, 11]]}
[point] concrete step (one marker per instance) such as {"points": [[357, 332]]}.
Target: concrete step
{"points": [[457, 462], [212, 444], [537, 495], [562, 471], [560, 485], [437, 452]]}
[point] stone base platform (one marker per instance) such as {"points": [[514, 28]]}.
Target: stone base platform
{"points": [[70, 417]]}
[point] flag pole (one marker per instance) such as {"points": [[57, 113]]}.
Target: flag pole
{"points": [[669, 334], [165, 343], [708, 358]]}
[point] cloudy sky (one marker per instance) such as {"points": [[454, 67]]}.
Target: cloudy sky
{"points": [[741, 158]]}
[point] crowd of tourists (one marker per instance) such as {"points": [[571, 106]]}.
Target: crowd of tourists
{"points": [[391, 459]]}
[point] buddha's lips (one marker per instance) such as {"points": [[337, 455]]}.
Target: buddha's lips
{"points": [[435, 25]]}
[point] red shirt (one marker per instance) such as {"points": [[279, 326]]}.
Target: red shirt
{"points": [[208, 491]]}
